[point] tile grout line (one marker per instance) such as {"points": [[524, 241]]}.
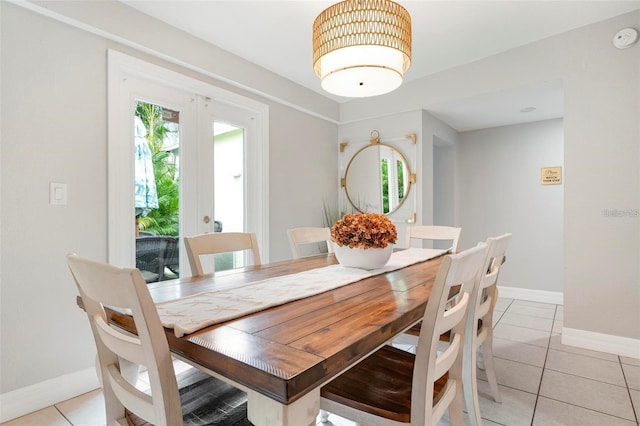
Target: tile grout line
{"points": [[62, 414], [546, 355], [587, 408], [624, 376]]}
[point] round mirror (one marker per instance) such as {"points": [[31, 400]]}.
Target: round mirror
{"points": [[377, 179]]}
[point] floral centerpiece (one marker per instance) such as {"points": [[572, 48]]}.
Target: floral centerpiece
{"points": [[363, 240], [364, 230]]}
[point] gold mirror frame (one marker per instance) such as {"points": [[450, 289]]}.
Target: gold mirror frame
{"points": [[410, 178]]}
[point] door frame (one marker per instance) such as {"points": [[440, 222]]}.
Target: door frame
{"points": [[121, 228]]}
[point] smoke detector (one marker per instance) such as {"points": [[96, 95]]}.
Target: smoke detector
{"points": [[625, 38]]}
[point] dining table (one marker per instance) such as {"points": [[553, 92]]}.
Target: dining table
{"points": [[282, 355]]}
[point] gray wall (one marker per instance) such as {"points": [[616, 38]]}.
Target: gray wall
{"points": [[444, 183], [303, 174], [54, 130], [602, 157], [500, 191]]}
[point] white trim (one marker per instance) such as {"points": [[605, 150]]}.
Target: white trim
{"points": [[591, 340], [44, 394], [541, 296]]}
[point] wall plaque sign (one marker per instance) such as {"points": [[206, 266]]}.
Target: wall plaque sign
{"points": [[551, 176]]}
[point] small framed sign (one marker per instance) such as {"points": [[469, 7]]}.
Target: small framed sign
{"points": [[551, 176]]}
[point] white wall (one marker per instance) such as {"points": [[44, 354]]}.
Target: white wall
{"points": [[500, 191], [54, 109]]}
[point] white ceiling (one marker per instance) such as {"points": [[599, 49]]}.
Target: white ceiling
{"points": [[277, 36]]}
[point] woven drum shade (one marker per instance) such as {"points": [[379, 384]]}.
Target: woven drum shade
{"points": [[362, 47]]}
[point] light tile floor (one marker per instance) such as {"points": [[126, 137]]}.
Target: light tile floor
{"points": [[542, 381]]}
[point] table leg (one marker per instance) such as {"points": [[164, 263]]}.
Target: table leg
{"points": [[264, 411]]}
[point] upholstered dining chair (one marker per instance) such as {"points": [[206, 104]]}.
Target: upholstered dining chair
{"points": [[434, 233], [102, 285], [302, 238], [395, 387], [479, 331], [219, 242]]}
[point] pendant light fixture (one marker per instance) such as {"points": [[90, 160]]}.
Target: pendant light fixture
{"points": [[362, 47]]}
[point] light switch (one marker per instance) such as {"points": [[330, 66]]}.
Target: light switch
{"points": [[57, 193]]}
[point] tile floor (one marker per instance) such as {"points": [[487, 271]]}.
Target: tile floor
{"points": [[543, 383]]}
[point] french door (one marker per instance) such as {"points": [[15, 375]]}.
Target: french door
{"points": [[198, 121]]}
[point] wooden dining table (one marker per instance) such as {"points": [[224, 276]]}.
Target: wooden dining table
{"points": [[281, 356]]}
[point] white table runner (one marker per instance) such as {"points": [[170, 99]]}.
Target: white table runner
{"points": [[195, 312]]}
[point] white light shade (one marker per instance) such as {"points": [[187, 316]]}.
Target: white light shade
{"points": [[360, 71], [362, 47]]}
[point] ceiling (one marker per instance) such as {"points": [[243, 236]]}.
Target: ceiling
{"points": [[277, 36]]}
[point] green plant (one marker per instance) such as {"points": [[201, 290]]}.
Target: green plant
{"points": [[165, 219], [330, 213]]}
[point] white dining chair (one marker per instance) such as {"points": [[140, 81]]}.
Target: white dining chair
{"points": [[125, 289], [435, 234], [395, 387], [309, 240], [447, 236], [479, 331], [481, 320], [219, 242]]}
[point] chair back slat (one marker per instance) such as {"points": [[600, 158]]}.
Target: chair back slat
{"points": [[127, 347], [447, 358], [130, 396], [453, 315], [304, 236], [434, 233], [447, 395], [219, 242]]}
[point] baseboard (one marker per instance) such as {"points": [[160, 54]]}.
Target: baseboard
{"points": [[41, 395], [554, 297], [618, 345]]}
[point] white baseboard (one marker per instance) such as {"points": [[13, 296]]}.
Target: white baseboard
{"points": [[554, 297], [618, 345], [41, 395]]}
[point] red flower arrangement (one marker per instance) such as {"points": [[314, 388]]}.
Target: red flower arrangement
{"points": [[364, 230]]}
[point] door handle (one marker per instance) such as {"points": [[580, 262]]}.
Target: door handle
{"points": [[206, 219]]}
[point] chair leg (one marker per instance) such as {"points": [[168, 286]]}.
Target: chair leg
{"points": [[487, 355], [456, 416], [470, 385]]}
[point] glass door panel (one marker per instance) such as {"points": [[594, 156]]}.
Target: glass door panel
{"points": [[157, 191], [229, 184]]}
